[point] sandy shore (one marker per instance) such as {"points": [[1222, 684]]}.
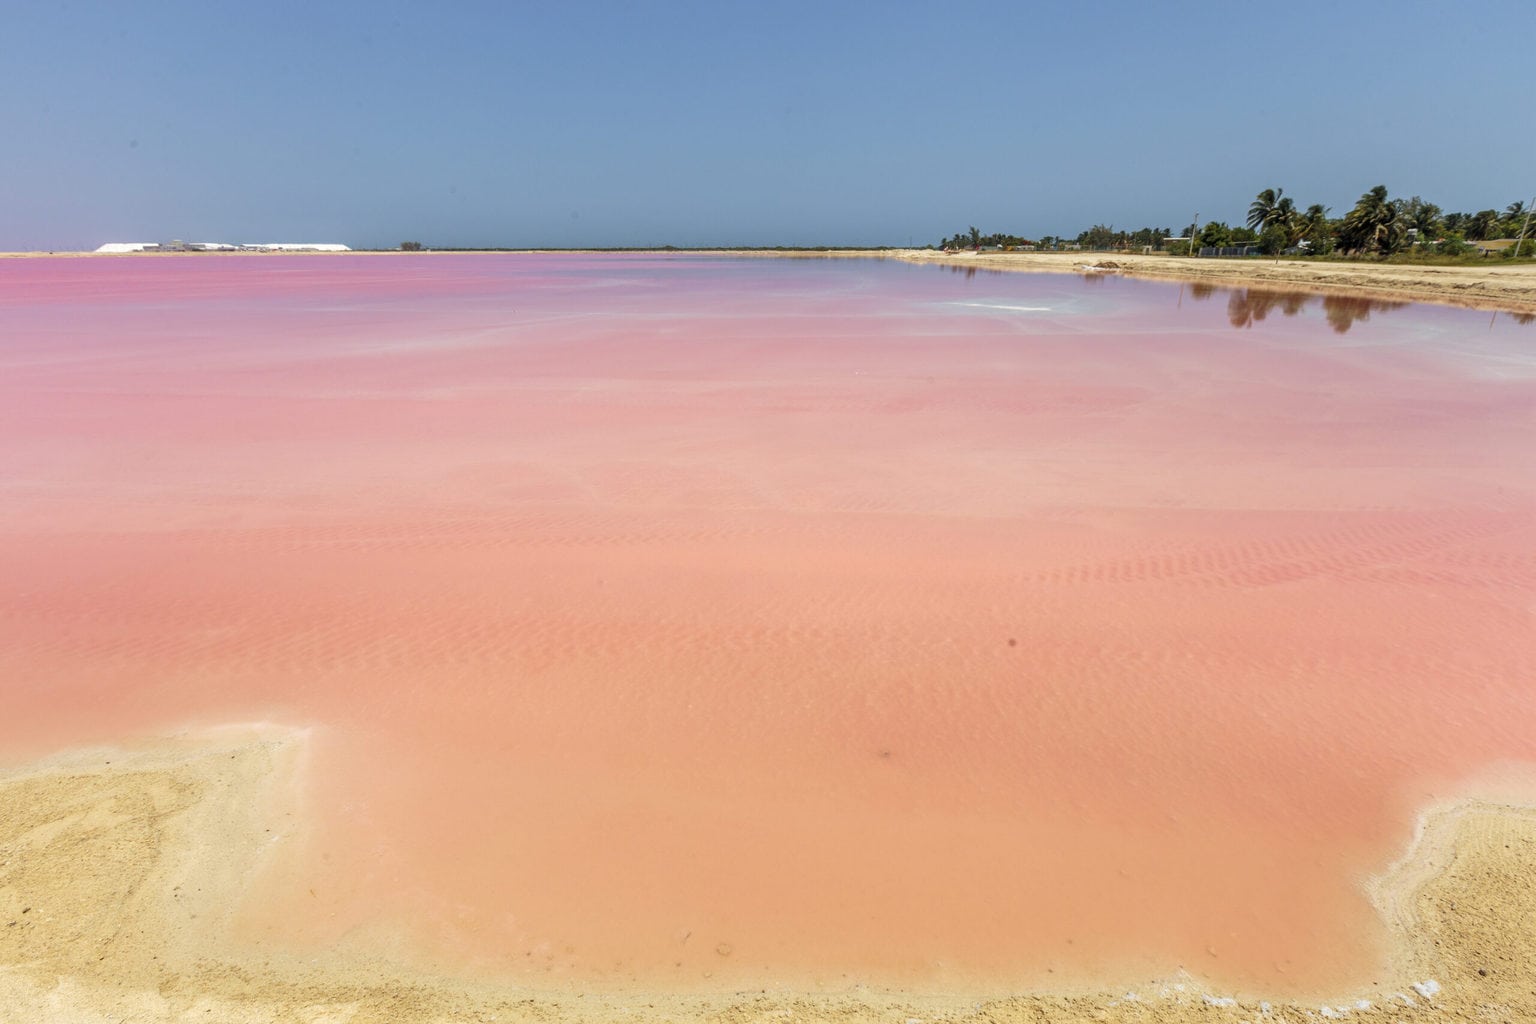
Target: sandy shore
{"points": [[1498, 286], [120, 871]]}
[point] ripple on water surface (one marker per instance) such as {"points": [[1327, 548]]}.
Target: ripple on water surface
{"points": [[797, 621]]}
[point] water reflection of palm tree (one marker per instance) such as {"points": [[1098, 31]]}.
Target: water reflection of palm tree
{"points": [[1247, 306], [1344, 311], [970, 271]]}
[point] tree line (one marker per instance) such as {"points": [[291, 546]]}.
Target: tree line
{"points": [[1377, 225]]}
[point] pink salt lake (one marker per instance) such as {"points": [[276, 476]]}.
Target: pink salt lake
{"points": [[677, 621]]}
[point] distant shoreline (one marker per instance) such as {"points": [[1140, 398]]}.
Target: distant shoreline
{"points": [[1506, 288], [1496, 287]]}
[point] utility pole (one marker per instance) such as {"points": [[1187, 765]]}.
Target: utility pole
{"points": [[1524, 226], [1192, 229]]}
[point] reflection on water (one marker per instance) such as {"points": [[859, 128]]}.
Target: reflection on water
{"points": [[970, 271], [1343, 311], [1248, 306]]}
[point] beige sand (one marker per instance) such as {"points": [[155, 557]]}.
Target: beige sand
{"points": [[1497, 286], [119, 872]]}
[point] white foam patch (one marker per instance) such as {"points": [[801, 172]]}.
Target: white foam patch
{"points": [[1427, 988], [1011, 309], [1219, 1000]]}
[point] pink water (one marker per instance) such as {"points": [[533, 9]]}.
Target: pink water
{"points": [[681, 621]]}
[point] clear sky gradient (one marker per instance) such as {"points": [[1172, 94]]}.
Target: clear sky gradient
{"points": [[565, 124]]}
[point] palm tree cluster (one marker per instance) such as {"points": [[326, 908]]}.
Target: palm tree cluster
{"points": [[1097, 237], [1105, 236], [972, 238], [1281, 226], [1377, 225]]}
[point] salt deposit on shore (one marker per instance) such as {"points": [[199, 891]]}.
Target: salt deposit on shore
{"points": [[121, 868]]}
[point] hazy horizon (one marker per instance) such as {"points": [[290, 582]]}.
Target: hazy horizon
{"points": [[692, 125]]}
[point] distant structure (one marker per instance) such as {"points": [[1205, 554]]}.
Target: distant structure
{"points": [[177, 245], [299, 247]]}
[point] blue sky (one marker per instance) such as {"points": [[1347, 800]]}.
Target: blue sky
{"points": [[568, 123]]}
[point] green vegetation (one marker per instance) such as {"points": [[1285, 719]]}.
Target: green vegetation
{"points": [[1378, 228], [1097, 237]]}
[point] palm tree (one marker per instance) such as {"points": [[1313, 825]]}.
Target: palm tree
{"points": [[1425, 217], [1288, 220], [1483, 224], [1392, 233], [1512, 215], [1374, 224], [1313, 225], [1268, 207]]}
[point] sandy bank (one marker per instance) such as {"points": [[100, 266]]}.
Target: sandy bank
{"points": [[1496, 286], [119, 871]]}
